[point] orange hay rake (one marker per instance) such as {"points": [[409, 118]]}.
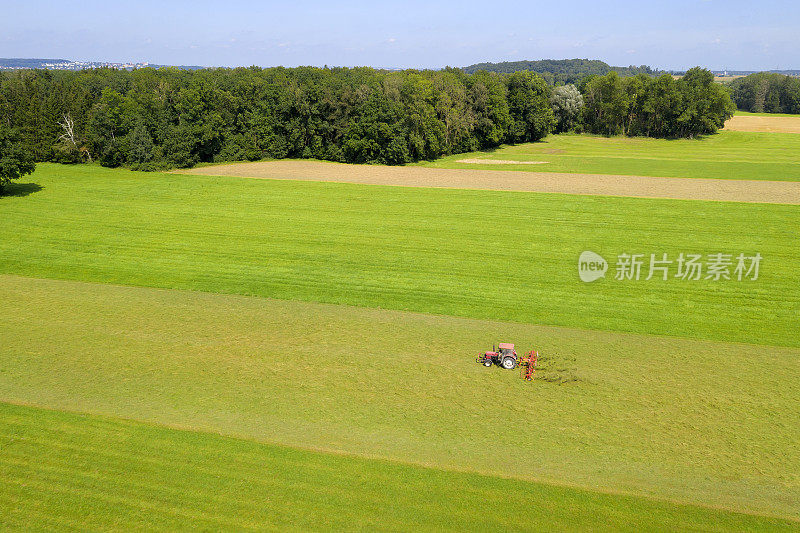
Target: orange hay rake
{"points": [[527, 366]]}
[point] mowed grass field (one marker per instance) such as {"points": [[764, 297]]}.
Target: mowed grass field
{"points": [[701, 422], [749, 114], [63, 472], [728, 155], [662, 404], [481, 254]]}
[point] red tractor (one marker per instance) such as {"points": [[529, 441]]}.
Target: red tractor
{"points": [[505, 356]]}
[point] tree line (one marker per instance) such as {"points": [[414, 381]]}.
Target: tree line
{"points": [[655, 107], [767, 92], [152, 119]]}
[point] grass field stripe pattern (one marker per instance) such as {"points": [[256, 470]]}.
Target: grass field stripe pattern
{"points": [[481, 254], [279, 488], [209, 305]]}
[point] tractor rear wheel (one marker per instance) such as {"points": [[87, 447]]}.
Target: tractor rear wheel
{"points": [[509, 363]]}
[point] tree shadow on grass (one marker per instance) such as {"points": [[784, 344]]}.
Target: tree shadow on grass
{"points": [[20, 189]]}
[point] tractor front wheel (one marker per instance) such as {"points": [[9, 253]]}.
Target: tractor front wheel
{"points": [[487, 362], [509, 363]]}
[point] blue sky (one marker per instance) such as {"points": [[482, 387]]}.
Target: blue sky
{"points": [[673, 34]]}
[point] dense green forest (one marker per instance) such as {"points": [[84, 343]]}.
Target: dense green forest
{"points": [[767, 92], [655, 107], [158, 118], [562, 71]]}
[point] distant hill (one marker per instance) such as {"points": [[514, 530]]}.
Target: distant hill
{"points": [[16, 63], [562, 70]]}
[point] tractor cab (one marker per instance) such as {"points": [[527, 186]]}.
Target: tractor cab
{"points": [[507, 349], [505, 356]]}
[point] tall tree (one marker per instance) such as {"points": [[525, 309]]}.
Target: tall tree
{"points": [[140, 144], [567, 104], [529, 106], [15, 160], [606, 104]]}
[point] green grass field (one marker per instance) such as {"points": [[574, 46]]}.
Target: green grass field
{"points": [[749, 114], [728, 155], [481, 254], [98, 473], [719, 417], [266, 354]]}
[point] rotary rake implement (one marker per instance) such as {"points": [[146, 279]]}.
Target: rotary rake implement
{"points": [[528, 365], [506, 357]]}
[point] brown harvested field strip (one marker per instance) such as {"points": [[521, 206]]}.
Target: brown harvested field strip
{"points": [[765, 124], [774, 192]]}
